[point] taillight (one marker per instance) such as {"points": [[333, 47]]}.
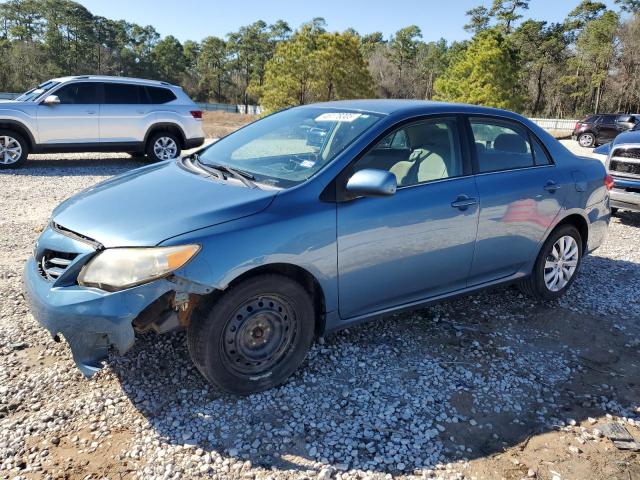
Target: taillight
{"points": [[609, 182], [197, 114], [577, 126]]}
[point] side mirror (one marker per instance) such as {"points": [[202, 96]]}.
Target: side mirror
{"points": [[372, 183], [51, 100]]}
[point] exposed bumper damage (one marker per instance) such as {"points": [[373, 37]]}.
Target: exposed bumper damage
{"points": [[92, 320]]}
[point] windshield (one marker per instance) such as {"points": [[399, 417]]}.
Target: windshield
{"points": [[34, 93], [288, 147]]}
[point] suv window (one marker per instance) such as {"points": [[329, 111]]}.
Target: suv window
{"points": [[160, 95], [419, 152], [82, 93], [124, 94], [608, 119], [501, 145]]}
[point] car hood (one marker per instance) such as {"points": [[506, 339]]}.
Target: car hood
{"points": [[145, 206]]}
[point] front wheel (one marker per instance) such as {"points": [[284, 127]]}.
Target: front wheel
{"points": [[255, 336], [163, 146], [556, 266], [13, 149]]}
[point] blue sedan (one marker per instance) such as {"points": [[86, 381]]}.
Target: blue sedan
{"points": [[311, 220]]}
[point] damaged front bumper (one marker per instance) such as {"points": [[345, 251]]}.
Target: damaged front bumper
{"points": [[93, 320], [90, 320]]}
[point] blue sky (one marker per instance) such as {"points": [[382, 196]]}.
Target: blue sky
{"points": [[195, 19]]}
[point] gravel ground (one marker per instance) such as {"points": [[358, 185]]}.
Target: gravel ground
{"points": [[488, 386]]}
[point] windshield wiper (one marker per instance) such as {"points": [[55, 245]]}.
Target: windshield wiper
{"points": [[217, 169]]}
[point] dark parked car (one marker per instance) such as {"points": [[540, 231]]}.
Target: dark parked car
{"points": [[263, 240], [596, 130]]}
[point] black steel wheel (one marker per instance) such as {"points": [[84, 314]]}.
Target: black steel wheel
{"points": [[254, 336], [259, 334]]}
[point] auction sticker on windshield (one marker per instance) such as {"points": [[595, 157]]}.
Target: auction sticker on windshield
{"points": [[339, 117]]}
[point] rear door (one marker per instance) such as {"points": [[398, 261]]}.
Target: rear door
{"points": [[74, 120], [607, 129], [417, 243], [521, 193], [126, 113]]}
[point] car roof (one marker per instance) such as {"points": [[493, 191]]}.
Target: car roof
{"points": [[396, 106], [109, 78]]}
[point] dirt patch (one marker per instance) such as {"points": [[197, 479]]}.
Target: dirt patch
{"points": [[219, 124]]}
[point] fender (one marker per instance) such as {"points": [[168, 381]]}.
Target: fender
{"points": [[163, 125], [20, 128]]}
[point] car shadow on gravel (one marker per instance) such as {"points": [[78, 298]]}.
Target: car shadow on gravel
{"points": [[461, 380], [77, 167], [629, 218]]}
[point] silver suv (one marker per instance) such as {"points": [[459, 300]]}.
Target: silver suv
{"points": [[98, 114]]}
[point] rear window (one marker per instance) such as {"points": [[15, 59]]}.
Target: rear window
{"points": [[160, 95], [124, 94]]}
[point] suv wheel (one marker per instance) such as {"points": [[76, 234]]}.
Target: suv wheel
{"points": [[254, 336], [13, 149], [587, 140], [163, 146], [556, 266]]}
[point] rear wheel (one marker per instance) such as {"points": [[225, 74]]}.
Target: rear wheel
{"points": [[254, 336], [13, 149], [163, 146], [587, 140], [556, 266]]}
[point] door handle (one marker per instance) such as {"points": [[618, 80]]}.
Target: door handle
{"points": [[463, 202], [91, 112], [140, 112], [551, 186]]}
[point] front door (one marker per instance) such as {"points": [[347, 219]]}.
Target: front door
{"points": [[74, 120], [419, 242], [521, 193]]}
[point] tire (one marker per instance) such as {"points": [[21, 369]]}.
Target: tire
{"points": [[587, 140], [163, 146], [254, 336], [14, 149], [614, 211], [535, 285]]}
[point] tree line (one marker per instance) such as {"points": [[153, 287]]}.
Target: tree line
{"points": [[589, 62]]}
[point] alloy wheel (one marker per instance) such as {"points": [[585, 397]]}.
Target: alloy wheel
{"points": [[561, 263], [165, 148], [586, 140], [10, 150]]}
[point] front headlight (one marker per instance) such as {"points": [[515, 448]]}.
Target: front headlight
{"points": [[119, 268]]}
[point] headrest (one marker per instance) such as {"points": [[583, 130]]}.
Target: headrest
{"points": [[427, 135], [510, 142]]}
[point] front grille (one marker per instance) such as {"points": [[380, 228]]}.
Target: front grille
{"points": [[627, 152], [624, 168], [53, 264]]}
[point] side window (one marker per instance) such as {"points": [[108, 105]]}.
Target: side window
{"points": [[160, 95], [501, 145], [124, 94], [419, 152], [539, 154], [78, 94], [609, 119]]}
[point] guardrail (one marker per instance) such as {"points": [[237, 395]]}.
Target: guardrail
{"points": [[558, 125]]}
